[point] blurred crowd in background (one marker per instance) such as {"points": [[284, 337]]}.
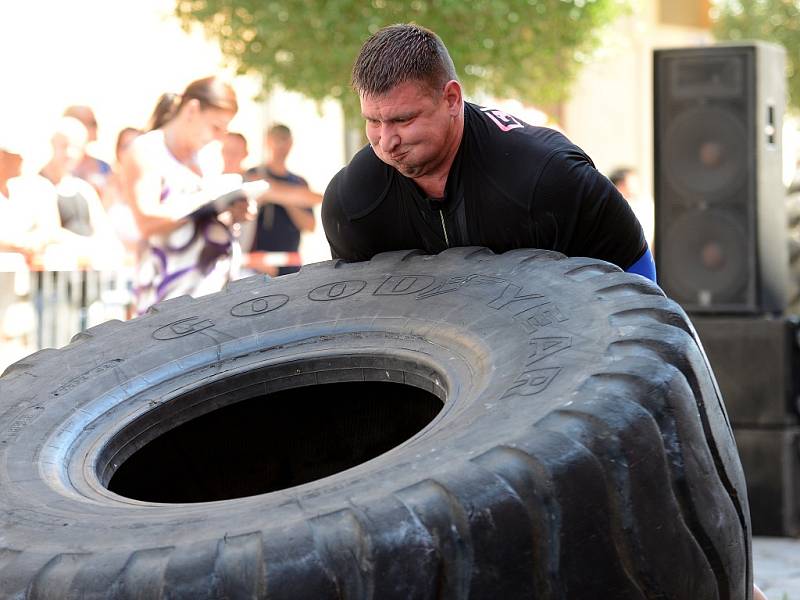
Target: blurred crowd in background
{"points": [[76, 236]]}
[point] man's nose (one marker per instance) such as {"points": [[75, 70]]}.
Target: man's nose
{"points": [[389, 139]]}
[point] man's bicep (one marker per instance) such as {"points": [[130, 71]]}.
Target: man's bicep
{"points": [[343, 241], [338, 228], [350, 223], [618, 235], [596, 219], [348, 240], [331, 223]]}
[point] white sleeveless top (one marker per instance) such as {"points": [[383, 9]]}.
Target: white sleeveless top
{"points": [[195, 258]]}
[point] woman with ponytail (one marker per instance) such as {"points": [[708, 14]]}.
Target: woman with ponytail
{"points": [[182, 204]]}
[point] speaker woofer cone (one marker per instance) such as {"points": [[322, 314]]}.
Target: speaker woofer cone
{"points": [[705, 153], [705, 258]]}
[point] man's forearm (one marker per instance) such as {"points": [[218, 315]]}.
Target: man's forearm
{"points": [[290, 195]]}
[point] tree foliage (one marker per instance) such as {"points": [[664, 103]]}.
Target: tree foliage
{"points": [[771, 20], [526, 49]]}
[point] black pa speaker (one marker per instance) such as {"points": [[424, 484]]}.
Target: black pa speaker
{"points": [[771, 463], [755, 362], [720, 242]]}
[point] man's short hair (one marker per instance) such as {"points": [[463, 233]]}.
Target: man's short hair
{"points": [[400, 53], [279, 130], [235, 135], [71, 129], [83, 113]]}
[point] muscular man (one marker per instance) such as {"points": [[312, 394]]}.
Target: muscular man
{"points": [[441, 172]]}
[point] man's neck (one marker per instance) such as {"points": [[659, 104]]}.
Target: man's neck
{"points": [[434, 182], [3, 187], [278, 167], [53, 172]]}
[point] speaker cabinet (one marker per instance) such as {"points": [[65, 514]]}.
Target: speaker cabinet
{"points": [[755, 359], [720, 242], [755, 362], [771, 463]]}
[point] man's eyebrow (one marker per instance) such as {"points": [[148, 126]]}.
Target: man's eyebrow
{"points": [[399, 117], [405, 116]]}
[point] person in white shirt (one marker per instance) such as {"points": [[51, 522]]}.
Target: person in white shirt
{"points": [[86, 235]]}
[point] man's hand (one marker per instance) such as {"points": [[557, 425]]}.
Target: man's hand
{"points": [[243, 210]]}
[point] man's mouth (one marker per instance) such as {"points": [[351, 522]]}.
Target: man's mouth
{"points": [[399, 156]]}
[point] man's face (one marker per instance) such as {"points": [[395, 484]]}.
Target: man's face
{"points": [[409, 127], [278, 145], [68, 148], [85, 115], [234, 151]]}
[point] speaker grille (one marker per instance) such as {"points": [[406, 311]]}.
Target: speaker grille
{"points": [[705, 150], [707, 263]]}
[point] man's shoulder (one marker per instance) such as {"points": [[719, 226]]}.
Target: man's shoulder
{"points": [[102, 166], [293, 178], [361, 185], [31, 190], [509, 155], [264, 172], [259, 172], [498, 132], [34, 182]]}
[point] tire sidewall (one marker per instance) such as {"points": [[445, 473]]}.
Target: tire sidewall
{"points": [[506, 342]]}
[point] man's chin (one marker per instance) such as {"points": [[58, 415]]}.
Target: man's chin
{"points": [[408, 170]]}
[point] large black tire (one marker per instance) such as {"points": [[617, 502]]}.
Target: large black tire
{"points": [[582, 451]]}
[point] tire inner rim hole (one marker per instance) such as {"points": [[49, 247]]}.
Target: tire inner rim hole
{"points": [[274, 441]]}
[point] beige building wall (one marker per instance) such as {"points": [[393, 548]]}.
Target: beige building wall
{"points": [[610, 113]]}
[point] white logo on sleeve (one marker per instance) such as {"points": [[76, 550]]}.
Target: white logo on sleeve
{"points": [[503, 120]]}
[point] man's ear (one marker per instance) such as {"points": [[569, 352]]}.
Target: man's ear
{"points": [[453, 97]]}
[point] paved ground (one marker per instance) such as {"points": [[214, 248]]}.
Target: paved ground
{"points": [[776, 567]]}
